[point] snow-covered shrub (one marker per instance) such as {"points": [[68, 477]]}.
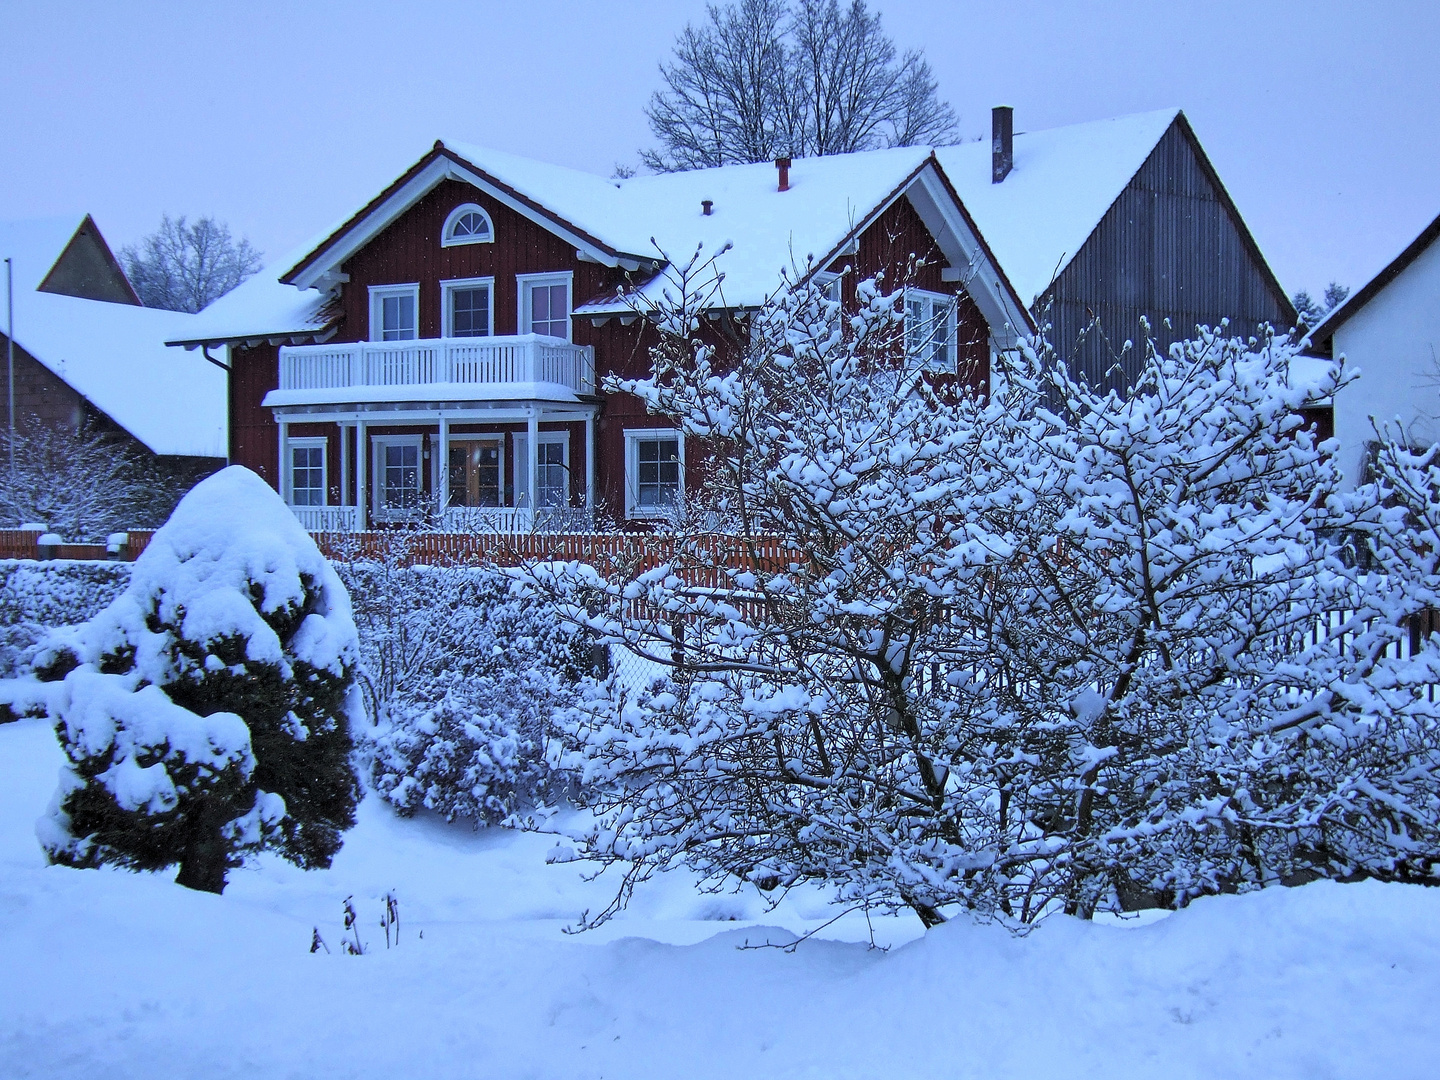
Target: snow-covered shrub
{"points": [[37, 597], [206, 712], [465, 671], [1042, 649]]}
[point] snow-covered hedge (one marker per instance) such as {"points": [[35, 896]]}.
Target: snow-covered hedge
{"points": [[206, 712], [37, 597], [465, 672]]}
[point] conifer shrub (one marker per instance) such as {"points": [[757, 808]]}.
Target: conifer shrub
{"points": [[206, 713]]}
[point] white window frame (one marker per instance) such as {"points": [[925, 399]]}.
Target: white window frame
{"points": [[931, 301], [447, 301], [829, 282], [633, 438], [379, 293], [522, 464], [317, 442], [446, 240], [528, 281], [378, 443]]}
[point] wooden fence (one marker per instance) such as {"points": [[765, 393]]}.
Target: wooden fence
{"points": [[25, 544]]}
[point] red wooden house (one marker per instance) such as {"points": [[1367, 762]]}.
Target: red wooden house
{"points": [[444, 347]]}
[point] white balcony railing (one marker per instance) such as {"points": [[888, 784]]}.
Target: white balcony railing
{"points": [[528, 358]]}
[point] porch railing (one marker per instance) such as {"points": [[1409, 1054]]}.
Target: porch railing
{"points": [[527, 358], [328, 518], [502, 520]]}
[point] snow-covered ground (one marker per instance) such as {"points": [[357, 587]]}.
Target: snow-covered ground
{"points": [[109, 974]]}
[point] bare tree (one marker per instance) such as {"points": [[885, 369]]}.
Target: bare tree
{"points": [[83, 483], [184, 267], [764, 79]]}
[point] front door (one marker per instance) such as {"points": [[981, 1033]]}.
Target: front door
{"points": [[475, 478]]}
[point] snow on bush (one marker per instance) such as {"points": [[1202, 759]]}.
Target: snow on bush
{"points": [[1043, 649], [206, 712], [37, 597], [465, 672]]}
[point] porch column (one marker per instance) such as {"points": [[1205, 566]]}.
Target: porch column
{"points": [[532, 434], [281, 484], [362, 457], [590, 462], [344, 464], [444, 467]]}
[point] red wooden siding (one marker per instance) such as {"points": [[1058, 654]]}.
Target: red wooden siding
{"points": [[409, 250], [253, 433]]}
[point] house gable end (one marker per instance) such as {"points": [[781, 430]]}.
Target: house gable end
{"points": [[320, 266], [1171, 247], [410, 251], [86, 268]]}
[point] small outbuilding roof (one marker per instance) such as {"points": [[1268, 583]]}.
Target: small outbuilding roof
{"points": [[113, 354]]}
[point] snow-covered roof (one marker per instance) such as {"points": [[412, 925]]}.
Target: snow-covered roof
{"points": [[1063, 181], [260, 307], [770, 231], [114, 355], [1321, 336]]}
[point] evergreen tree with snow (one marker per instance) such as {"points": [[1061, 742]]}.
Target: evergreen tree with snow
{"points": [[206, 713]]}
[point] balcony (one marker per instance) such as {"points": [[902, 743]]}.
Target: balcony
{"points": [[524, 366]]}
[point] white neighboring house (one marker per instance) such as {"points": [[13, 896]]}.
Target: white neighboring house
{"points": [[87, 351], [1388, 332]]}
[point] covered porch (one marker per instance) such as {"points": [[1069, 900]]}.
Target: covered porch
{"points": [[517, 468], [488, 434]]}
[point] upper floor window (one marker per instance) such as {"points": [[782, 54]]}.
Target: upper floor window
{"points": [[468, 307], [545, 304], [467, 224], [394, 312], [930, 329]]}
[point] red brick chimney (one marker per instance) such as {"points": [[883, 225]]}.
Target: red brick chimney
{"points": [[782, 166]]}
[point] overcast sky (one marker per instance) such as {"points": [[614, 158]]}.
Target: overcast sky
{"points": [[1322, 118]]}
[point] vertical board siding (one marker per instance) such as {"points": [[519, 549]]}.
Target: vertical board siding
{"points": [[891, 242], [1167, 249], [254, 435], [409, 250]]}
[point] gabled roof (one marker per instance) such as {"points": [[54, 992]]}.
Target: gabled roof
{"points": [[114, 354], [1322, 337], [87, 268], [830, 201], [1063, 182]]}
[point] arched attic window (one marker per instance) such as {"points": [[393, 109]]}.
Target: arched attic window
{"points": [[467, 224]]}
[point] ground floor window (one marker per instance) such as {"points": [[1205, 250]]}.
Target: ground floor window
{"points": [[552, 469], [654, 472], [307, 472], [399, 486]]}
